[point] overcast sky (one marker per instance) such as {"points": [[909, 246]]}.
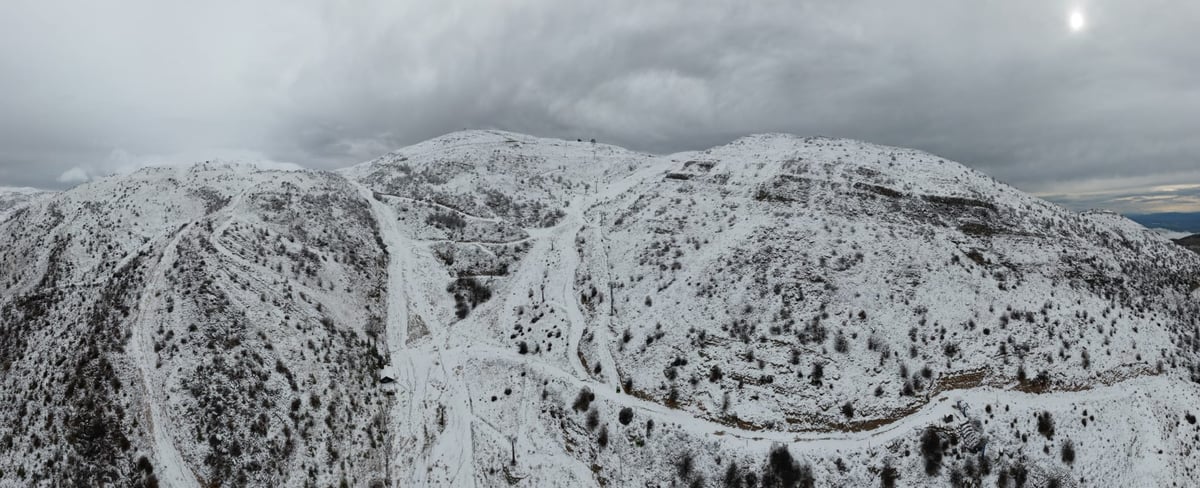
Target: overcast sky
{"points": [[1108, 115]]}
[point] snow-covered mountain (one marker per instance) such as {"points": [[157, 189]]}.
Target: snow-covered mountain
{"points": [[11, 197], [1191, 242], [493, 309]]}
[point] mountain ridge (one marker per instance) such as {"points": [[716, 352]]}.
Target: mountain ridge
{"points": [[487, 307], [1191, 242]]}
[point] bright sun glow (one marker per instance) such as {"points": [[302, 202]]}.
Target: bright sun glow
{"points": [[1076, 21]]}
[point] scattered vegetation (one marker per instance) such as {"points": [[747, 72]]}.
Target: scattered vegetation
{"points": [[468, 293], [1045, 425]]}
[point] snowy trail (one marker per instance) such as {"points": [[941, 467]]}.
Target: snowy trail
{"points": [[571, 262], [400, 365], [459, 444], [931, 413], [564, 246], [398, 248], [218, 236], [172, 469], [480, 243], [417, 370], [437, 373], [444, 207], [602, 334], [568, 298]]}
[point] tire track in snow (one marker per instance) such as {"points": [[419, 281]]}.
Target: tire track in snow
{"points": [[568, 261], [400, 366], [570, 296], [453, 447], [173, 470]]}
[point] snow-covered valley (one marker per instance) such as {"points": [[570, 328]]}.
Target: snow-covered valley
{"points": [[493, 309]]}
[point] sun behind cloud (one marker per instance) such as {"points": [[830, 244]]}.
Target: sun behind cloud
{"points": [[1076, 21]]}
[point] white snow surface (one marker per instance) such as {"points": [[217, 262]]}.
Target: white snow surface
{"points": [[493, 309], [12, 197]]}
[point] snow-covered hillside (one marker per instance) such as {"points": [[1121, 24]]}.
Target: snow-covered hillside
{"points": [[493, 309], [1191, 242], [11, 197]]}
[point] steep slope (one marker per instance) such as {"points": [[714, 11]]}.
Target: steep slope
{"points": [[216, 324], [1191, 242], [488, 308], [892, 273]]}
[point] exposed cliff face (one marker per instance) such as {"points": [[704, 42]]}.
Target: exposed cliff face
{"points": [[490, 308]]}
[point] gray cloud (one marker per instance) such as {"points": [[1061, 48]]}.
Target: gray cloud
{"points": [[1001, 86]]}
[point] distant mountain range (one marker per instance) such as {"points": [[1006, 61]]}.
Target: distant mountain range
{"points": [[1177, 221]]}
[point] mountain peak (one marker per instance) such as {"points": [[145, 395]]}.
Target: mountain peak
{"points": [[488, 307]]}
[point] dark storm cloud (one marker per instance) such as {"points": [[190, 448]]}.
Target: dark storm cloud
{"points": [[1003, 86]]}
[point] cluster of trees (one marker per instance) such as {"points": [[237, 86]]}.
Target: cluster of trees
{"points": [[468, 293]]}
